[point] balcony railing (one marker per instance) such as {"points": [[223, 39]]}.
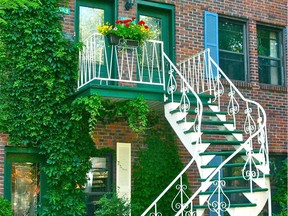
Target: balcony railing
{"points": [[120, 64]]}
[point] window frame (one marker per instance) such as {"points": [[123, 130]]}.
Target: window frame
{"points": [[280, 34], [15, 154], [245, 53]]}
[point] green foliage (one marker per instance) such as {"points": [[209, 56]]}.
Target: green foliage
{"points": [[8, 4], [157, 166], [38, 76], [111, 204], [281, 196], [6, 208]]}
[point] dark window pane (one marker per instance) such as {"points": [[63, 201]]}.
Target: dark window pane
{"points": [[269, 71], [268, 43], [232, 48], [231, 36], [232, 65], [269, 56]]}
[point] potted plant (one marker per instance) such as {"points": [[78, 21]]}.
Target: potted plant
{"points": [[126, 30]]}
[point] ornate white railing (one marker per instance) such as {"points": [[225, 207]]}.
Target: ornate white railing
{"points": [[205, 76], [177, 82], [200, 74], [118, 64], [104, 64]]}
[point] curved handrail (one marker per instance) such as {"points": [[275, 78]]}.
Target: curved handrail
{"points": [[199, 102], [261, 128]]}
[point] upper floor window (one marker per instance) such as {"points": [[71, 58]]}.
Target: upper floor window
{"points": [[232, 48], [269, 55]]}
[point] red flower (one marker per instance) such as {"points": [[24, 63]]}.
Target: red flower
{"points": [[127, 25], [146, 27], [141, 22], [126, 21], [133, 18], [117, 21]]}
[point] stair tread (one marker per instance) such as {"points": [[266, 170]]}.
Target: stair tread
{"points": [[229, 178], [225, 152], [226, 165], [209, 112], [191, 103], [223, 142], [220, 132], [202, 95], [211, 122], [243, 190], [232, 205]]}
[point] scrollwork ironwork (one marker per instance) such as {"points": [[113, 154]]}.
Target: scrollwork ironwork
{"points": [[249, 124], [218, 205], [249, 170], [233, 106], [172, 84]]}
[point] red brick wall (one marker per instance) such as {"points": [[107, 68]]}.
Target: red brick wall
{"points": [[3, 142], [189, 22]]}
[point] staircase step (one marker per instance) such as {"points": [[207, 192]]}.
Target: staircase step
{"points": [[203, 96], [208, 122], [243, 190], [226, 165], [223, 142], [209, 112], [219, 132], [232, 205], [192, 103], [223, 153], [230, 178]]}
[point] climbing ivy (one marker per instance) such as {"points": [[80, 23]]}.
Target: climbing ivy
{"points": [[39, 108], [157, 166]]}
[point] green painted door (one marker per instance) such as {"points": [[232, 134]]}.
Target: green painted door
{"points": [[159, 18], [89, 15]]}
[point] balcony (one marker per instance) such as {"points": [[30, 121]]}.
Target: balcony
{"points": [[121, 71]]}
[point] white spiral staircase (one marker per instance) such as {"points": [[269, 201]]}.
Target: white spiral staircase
{"points": [[224, 132]]}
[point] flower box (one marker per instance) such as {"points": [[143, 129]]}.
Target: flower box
{"points": [[126, 30], [116, 40]]}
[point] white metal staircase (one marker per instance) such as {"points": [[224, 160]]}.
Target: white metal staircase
{"points": [[224, 132], [212, 123]]}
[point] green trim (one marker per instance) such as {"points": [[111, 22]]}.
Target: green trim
{"points": [[22, 154], [226, 153], [223, 142], [121, 92], [220, 132], [232, 178], [171, 8]]}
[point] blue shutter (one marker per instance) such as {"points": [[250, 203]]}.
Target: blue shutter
{"points": [[211, 34]]}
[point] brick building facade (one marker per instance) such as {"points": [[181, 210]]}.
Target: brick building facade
{"points": [[188, 25]]}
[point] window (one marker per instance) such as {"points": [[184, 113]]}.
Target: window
{"points": [[269, 52], [23, 180], [99, 181], [232, 48]]}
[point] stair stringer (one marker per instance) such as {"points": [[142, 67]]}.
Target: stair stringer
{"points": [[186, 139]]}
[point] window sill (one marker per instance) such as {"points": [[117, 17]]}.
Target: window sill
{"points": [[273, 87], [238, 83]]}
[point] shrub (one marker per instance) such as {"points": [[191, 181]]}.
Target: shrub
{"points": [[111, 204], [5, 207]]}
